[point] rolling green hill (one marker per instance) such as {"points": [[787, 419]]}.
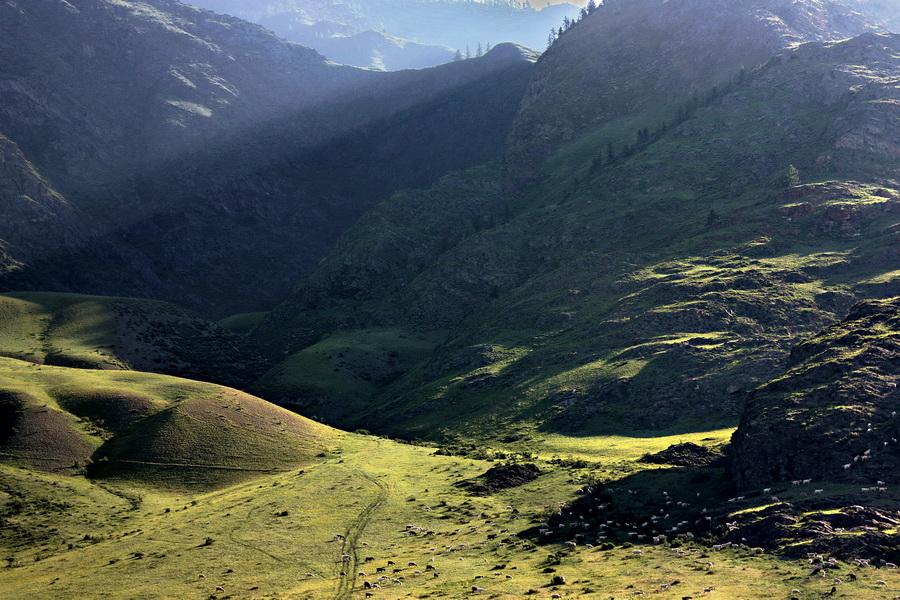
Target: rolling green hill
{"points": [[147, 427], [121, 333]]}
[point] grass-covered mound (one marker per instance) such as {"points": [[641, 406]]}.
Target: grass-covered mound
{"points": [[146, 426], [98, 332]]}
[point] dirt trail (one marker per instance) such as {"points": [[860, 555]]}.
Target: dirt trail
{"points": [[349, 570]]}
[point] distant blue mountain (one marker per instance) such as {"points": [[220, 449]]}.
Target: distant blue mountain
{"points": [[398, 34]]}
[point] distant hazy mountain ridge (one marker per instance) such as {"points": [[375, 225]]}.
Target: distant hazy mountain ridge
{"points": [[427, 28]]}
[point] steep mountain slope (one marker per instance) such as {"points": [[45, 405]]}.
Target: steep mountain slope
{"points": [[645, 292], [632, 62], [833, 414], [191, 166]]}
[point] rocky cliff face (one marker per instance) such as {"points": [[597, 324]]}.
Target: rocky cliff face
{"points": [[833, 414], [28, 204]]}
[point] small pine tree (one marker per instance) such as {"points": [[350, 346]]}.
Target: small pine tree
{"points": [[479, 52], [468, 52], [458, 56], [551, 38], [487, 48], [792, 177], [711, 218], [591, 6]]}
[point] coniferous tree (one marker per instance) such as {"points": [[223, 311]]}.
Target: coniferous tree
{"points": [[792, 177], [458, 56], [480, 51], [468, 52], [551, 38], [591, 6]]}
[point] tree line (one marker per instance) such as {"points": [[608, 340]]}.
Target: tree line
{"points": [[568, 23], [646, 136], [479, 52]]}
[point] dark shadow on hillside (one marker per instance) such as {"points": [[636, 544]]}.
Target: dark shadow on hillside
{"points": [[681, 506]]}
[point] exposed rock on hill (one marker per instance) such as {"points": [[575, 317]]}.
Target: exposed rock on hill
{"points": [[687, 454], [835, 413]]}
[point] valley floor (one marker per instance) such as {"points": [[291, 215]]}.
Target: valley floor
{"points": [[368, 504]]}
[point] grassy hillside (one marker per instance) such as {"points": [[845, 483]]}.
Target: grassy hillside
{"points": [[146, 426], [393, 504], [650, 291], [632, 62], [121, 333]]}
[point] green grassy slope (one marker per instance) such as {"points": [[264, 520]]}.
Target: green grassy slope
{"points": [[276, 536], [650, 292], [631, 62], [120, 333], [146, 426], [337, 376]]}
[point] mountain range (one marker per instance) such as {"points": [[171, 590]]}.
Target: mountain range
{"points": [[392, 35], [617, 318]]}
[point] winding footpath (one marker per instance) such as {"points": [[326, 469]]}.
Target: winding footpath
{"points": [[349, 570]]}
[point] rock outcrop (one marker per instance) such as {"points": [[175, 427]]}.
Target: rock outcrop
{"points": [[833, 415]]}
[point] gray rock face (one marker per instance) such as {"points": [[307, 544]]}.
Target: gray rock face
{"points": [[28, 204]]}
